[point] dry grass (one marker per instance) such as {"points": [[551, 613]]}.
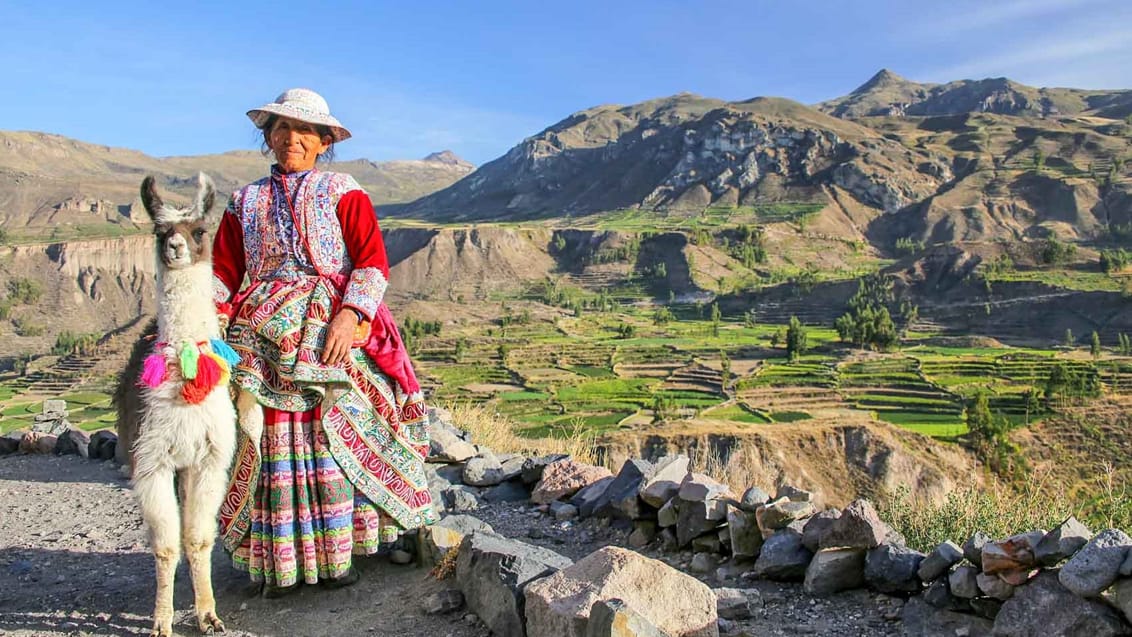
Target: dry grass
{"points": [[446, 566], [497, 432], [740, 470]]}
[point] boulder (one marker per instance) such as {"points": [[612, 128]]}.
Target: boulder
{"points": [[734, 603], [445, 601], [973, 548], [533, 467], [962, 583], [615, 618], [892, 568], [794, 494], [460, 498], [564, 478], [484, 470], [664, 481], [1062, 542], [1012, 556], [102, 445], [621, 498], [644, 532], [10, 442], [695, 518], [1045, 607], [513, 467], [780, 513], [783, 557], [835, 570], [45, 444], [562, 511], [444, 446], [677, 604], [1096, 566], [817, 526], [669, 514], [697, 487], [939, 561], [993, 586], [1126, 567], [858, 527], [494, 572], [704, 562], [587, 499], [752, 499], [433, 542], [73, 442], [744, 533]]}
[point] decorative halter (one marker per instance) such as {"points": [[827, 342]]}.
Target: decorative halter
{"points": [[203, 366]]}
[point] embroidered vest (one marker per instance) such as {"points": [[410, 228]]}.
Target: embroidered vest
{"points": [[316, 216]]}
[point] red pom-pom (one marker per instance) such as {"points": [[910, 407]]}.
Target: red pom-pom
{"points": [[208, 376]]}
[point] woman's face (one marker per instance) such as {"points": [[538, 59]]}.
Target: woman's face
{"points": [[296, 144]]}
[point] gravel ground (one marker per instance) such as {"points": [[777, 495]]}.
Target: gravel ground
{"points": [[73, 561]]}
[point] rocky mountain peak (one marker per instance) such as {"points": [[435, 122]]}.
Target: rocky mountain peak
{"points": [[883, 78], [447, 157]]}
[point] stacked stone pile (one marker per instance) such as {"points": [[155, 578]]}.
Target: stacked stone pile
{"points": [[1065, 581], [52, 433]]}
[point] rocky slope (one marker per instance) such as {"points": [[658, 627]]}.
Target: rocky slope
{"points": [[888, 94]]}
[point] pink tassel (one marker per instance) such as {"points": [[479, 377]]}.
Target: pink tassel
{"points": [[154, 373]]}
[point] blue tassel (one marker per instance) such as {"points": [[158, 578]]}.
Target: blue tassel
{"points": [[223, 350]]}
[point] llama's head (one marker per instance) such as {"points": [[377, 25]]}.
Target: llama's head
{"points": [[183, 236]]}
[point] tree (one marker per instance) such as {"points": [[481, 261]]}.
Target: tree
{"points": [[725, 371], [795, 339], [461, 349], [1069, 342], [715, 316], [662, 316], [1095, 345]]}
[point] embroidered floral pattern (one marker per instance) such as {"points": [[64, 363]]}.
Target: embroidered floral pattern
{"points": [[366, 290]]}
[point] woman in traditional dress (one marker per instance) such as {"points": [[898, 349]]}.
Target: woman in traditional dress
{"points": [[337, 467]]}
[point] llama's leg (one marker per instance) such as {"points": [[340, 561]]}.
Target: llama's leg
{"points": [[250, 415], [158, 501], [204, 490]]}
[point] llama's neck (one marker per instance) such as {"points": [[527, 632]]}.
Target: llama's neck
{"points": [[185, 311]]}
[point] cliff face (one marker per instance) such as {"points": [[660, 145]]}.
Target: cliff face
{"points": [[87, 286]]}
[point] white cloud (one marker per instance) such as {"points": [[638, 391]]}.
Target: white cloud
{"points": [[1042, 60]]}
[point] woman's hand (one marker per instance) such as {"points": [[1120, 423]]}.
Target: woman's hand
{"points": [[339, 337]]}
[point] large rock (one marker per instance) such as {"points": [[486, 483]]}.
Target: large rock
{"points": [[664, 482], [484, 470], [783, 557], [1045, 608], [794, 494], [1126, 567], [621, 498], [445, 446], [494, 572], [697, 487], [565, 478], [434, 542], [102, 445], [511, 491], [859, 527], [973, 547], [677, 604], [993, 586], [743, 530], [734, 603], [780, 513], [695, 518], [73, 442], [835, 570], [1012, 556], [1096, 566], [753, 498], [962, 581], [816, 528], [1062, 542], [533, 467], [10, 442], [939, 561], [615, 618], [891, 568], [587, 498]]}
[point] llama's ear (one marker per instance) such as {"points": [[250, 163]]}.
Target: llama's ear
{"points": [[150, 199], [206, 196]]}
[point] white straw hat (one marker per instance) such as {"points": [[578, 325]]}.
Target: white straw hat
{"points": [[304, 105]]}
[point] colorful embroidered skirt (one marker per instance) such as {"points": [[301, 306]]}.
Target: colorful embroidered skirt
{"points": [[373, 434], [307, 519]]}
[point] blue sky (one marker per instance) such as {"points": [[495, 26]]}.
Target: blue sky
{"points": [[478, 77]]}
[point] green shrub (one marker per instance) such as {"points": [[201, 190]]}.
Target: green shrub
{"points": [[23, 290]]}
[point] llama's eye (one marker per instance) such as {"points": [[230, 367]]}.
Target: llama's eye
{"points": [[198, 234]]}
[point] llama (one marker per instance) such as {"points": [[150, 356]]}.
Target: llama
{"points": [[185, 421]]}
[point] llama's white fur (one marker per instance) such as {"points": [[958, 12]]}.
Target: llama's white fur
{"points": [[194, 442]]}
